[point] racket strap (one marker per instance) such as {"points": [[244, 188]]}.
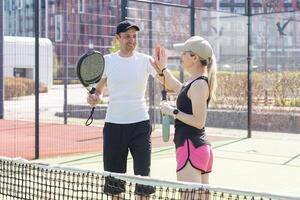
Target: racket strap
{"points": [[164, 92], [89, 121]]}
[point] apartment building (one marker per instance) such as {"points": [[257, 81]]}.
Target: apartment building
{"points": [[271, 49], [74, 26]]}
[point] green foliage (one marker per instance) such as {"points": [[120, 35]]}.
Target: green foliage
{"points": [[60, 82], [17, 86], [232, 89], [115, 46], [57, 82], [288, 102], [268, 89], [56, 66]]}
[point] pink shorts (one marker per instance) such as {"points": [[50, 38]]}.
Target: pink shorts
{"points": [[201, 158]]}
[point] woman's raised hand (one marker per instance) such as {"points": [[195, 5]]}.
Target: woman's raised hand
{"points": [[160, 58]]}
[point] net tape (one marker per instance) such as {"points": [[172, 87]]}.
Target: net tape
{"points": [[22, 179]]}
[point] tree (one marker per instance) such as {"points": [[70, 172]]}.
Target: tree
{"points": [[115, 46], [56, 67]]}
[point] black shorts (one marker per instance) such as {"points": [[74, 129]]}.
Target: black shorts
{"points": [[118, 139]]}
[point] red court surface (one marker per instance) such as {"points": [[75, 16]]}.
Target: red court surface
{"points": [[18, 139]]}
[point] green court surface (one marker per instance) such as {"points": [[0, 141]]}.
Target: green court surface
{"points": [[268, 162]]}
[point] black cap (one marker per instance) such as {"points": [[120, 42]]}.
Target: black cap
{"points": [[125, 25]]}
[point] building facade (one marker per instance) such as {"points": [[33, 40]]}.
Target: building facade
{"points": [[74, 26], [271, 49], [19, 18]]}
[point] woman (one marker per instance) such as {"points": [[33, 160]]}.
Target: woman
{"points": [[193, 150]]}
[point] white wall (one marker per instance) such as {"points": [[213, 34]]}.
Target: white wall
{"points": [[19, 52]]}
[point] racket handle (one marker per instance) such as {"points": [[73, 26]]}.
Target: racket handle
{"points": [[165, 128], [164, 95], [93, 90], [165, 120], [89, 121]]}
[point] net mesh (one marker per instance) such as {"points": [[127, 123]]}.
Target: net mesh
{"points": [[22, 179]]}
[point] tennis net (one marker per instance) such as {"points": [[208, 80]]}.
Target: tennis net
{"points": [[22, 179]]}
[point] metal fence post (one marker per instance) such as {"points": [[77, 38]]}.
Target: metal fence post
{"points": [[36, 30], [151, 93], [65, 78], [192, 17], [124, 4], [1, 61], [249, 68]]}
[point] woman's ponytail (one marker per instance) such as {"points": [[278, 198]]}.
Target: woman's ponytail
{"points": [[212, 77]]}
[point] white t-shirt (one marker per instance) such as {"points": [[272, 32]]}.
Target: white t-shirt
{"points": [[127, 81]]}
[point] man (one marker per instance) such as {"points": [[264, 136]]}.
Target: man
{"points": [[127, 125]]}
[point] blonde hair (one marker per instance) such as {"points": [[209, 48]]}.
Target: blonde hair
{"points": [[212, 77]]}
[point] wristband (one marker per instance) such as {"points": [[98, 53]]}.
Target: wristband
{"points": [[162, 71]]}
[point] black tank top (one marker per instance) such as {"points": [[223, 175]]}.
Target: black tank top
{"points": [[184, 131]]}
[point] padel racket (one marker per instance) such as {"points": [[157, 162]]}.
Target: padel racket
{"points": [[90, 68], [165, 118]]}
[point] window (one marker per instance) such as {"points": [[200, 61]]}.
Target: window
{"points": [[239, 10], [287, 1], [58, 28], [225, 41], [289, 41], [241, 41], [10, 5], [297, 41], [167, 26], [225, 9], [204, 26], [258, 10], [112, 2], [80, 6], [168, 12], [239, 1], [226, 25], [19, 72], [20, 4], [53, 8], [261, 27], [240, 26]]}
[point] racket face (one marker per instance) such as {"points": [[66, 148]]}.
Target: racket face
{"points": [[90, 68]]}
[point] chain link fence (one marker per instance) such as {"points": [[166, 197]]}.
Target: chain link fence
{"points": [[68, 29]]}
